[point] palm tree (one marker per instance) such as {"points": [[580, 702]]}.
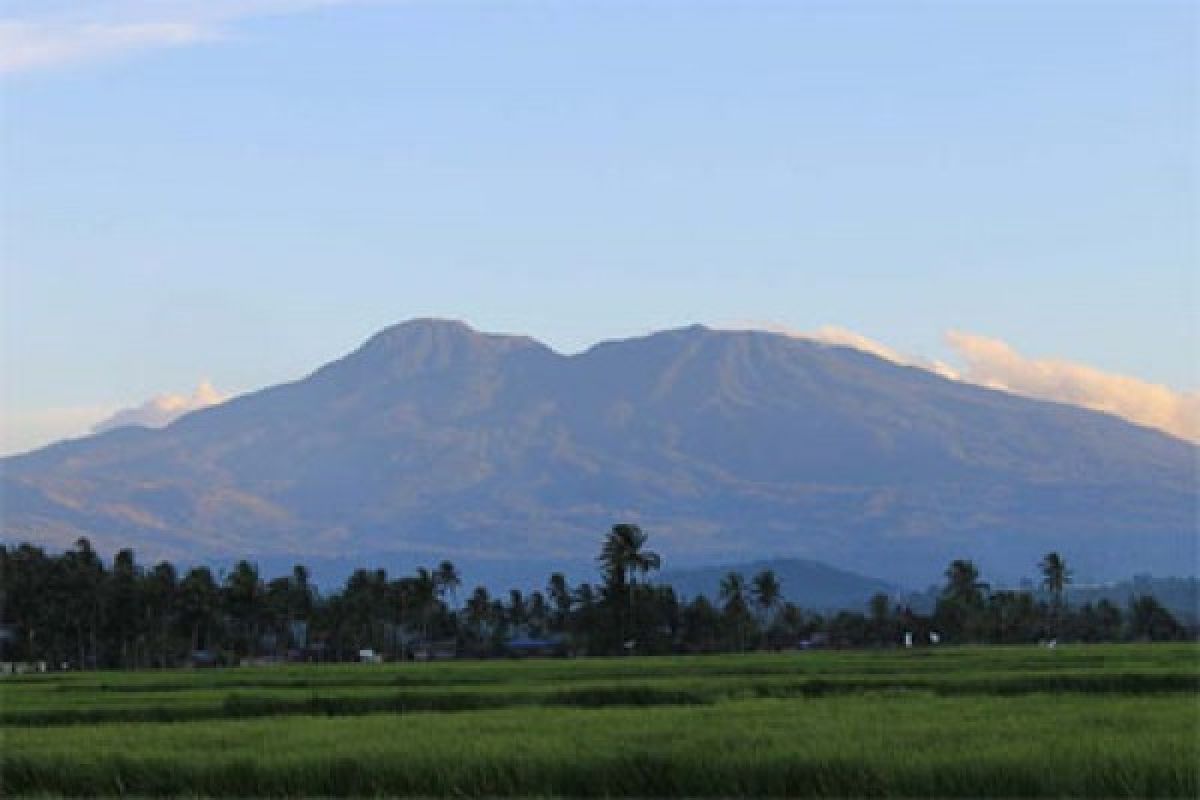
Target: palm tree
{"points": [[85, 576], [960, 609], [1149, 620], [199, 599], [297, 601], [767, 593], [1055, 576], [121, 610], [448, 580], [26, 581], [161, 598], [302, 592], [516, 610], [425, 598], [788, 625], [479, 610], [963, 584], [560, 596], [584, 596], [244, 599], [733, 589], [880, 606], [621, 558], [733, 592], [537, 613]]}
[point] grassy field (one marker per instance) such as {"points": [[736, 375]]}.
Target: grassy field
{"points": [[1099, 721]]}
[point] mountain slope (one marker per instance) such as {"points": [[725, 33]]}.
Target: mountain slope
{"points": [[434, 439]]}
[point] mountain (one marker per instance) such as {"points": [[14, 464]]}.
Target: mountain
{"points": [[809, 584], [433, 440]]}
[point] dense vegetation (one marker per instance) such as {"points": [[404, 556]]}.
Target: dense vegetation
{"points": [[72, 609], [1095, 720]]}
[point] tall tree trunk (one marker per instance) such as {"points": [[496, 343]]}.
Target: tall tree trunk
{"points": [[95, 638]]}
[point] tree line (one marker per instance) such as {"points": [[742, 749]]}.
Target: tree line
{"points": [[72, 610]]}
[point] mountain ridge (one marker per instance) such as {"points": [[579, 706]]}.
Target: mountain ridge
{"points": [[434, 437]]}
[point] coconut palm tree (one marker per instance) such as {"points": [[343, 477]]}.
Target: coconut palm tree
{"points": [[479, 611], [560, 597], [516, 610], [1149, 620], [963, 584], [584, 596], [733, 589], [960, 608], [244, 598], [85, 578], [538, 613], [880, 607], [733, 592], [160, 597], [448, 581], [199, 601], [1055, 576], [301, 601], [424, 598], [767, 593], [121, 608], [621, 559]]}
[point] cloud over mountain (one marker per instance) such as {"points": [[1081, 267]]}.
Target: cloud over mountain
{"points": [[832, 334], [995, 364], [163, 409]]}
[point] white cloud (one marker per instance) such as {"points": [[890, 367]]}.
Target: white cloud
{"points": [[25, 46], [844, 337], [37, 35], [832, 334], [162, 410], [995, 364], [25, 430]]}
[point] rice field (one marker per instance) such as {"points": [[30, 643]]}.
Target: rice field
{"points": [[1088, 721]]}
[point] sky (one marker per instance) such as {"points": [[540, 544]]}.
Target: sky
{"points": [[202, 198]]}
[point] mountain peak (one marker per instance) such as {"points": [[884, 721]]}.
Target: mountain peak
{"points": [[428, 343], [426, 327]]}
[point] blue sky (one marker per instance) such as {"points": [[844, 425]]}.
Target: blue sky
{"points": [[242, 191]]}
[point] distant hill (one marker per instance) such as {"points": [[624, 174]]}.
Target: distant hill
{"points": [[433, 440], [1181, 596], [809, 584]]}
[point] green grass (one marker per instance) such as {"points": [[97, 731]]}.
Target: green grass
{"points": [[1079, 721]]}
